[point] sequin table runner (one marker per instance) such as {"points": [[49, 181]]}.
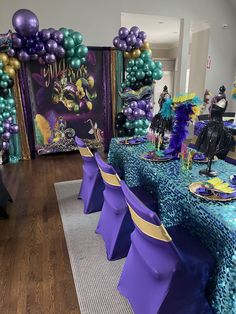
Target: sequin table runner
{"points": [[213, 222]]}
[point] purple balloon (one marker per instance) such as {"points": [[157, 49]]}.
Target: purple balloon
{"points": [[149, 106], [123, 32], [58, 36], [133, 104], [14, 129], [30, 42], [34, 57], [9, 120], [129, 48], [16, 41], [6, 125], [51, 30], [138, 43], [130, 117], [6, 136], [135, 30], [31, 51], [50, 58], [25, 22], [5, 145], [142, 104], [142, 113], [116, 41], [11, 52], [39, 46], [127, 111], [60, 52], [142, 35], [131, 39], [42, 52], [51, 46], [23, 56], [149, 115], [45, 34], [136, 113], [122, 45]]}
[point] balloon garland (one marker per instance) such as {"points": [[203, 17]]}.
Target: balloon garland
{"points": [[141, 71]]}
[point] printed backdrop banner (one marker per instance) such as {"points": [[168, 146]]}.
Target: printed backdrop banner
{"points": [[68, 103]]}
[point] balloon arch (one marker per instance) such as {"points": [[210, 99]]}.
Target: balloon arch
{"points": [[28, 43]]}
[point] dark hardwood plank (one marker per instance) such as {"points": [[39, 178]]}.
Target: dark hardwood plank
{"points": [[35, 272]]}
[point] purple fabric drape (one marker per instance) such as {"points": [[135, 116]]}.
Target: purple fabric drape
{"points": [[25, 95], [107, 99]]}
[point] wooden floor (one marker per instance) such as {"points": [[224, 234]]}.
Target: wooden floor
{"points": [[35, 272]]}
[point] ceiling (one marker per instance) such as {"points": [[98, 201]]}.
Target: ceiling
{"points": [[162, 31]]}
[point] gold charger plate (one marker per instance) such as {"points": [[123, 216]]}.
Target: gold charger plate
{"points": [[161, 159], [195, 185]]}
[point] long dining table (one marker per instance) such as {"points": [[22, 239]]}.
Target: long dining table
{"points": [[214, 223]]}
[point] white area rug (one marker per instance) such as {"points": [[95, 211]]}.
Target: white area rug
{"points": [[95, 277]]}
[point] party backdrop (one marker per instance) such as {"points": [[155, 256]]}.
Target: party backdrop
{"points": [[70, 102]]}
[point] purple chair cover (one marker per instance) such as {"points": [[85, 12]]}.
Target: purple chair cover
{"points": [[166, 272], [115, 224], [91, 190]]}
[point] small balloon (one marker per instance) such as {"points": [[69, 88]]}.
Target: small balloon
{"points": [[123, 32], [135, 53], [142, 35], [135, 30], [4, 58]]}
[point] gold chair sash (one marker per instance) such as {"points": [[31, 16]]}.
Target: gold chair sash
{"points": [[112, 179], [153, 231], [85, 152]]}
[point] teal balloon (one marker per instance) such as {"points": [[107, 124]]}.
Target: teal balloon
{"points": [[151, 64], [78, 38], [129, 125], [146, 123], [10, 101], [135, 68], [71, 31], [3, 84], [6, 114], [140, 74], [1, 130], [136, 123], [123, 85], [140, 130], [128, 84], [158, 65], [136, 131], [143, 132], [157, 74], [146, 67], [132, 73], [70, 52], [75, 63], [68, 43], [83, 60], [5, 77], [149, 73], [131, 63], [128, 77], [13, 112], [68, 60], [140, 123], [145, 55], [1, 65], [1, 72], [139, 62], [82, 51], [133, 79], [129, 69], [65, 31]]}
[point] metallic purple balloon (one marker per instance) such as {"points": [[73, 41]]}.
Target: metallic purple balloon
{"points": [[16, 41], [11, 52], [142, 35], [51, 46], [7, 125], [42, 52], [130, 117], [50, 58], [45, 34], [138, 43], [135, 30], [5, 145], [149, 115], [133, 104], [142, 113], [9, 120], [131, 39], [60, 52], [34, 57], [127, 111], [142, 104], [116, 41], [149, 106], [14, 129], [122, 45], [6, 136], [136, 113], [129, 48], [58, 36], [23, 56], [123, 32], [51, 30], [25, 22]]}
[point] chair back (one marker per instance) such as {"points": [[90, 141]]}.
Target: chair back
{"points": [[108, 173], [85, 152], [145, 220]]}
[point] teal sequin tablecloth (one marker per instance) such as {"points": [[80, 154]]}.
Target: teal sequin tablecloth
{"points": [[213, 222]]}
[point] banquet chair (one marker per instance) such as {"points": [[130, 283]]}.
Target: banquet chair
{"points": [[91, 190], [115, 224], [165, 272]]}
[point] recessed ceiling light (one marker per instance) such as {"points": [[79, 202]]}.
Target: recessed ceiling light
{"points": [[160, 22]]}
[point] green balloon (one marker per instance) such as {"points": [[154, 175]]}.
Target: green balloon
{"points": [[75, 63], [135, 69], [136, 123], [136, 131], [123, 85], [133, 79], [151, 64], [5, 77], [65, 31], [1, 72], [129, 69], [131, 63], [71, 31], [13, 111], [129, 125], [68, 43], [83, 60], [149, 73], [6, 114], [78, 38], [82, 51], [128, 84], [10, 102], [1, 130], [3, 84], [1, 65], [139, 62], [145, 55], [144, 132], [128, 77], [157, 74], [140, 74], [158, 65], [146, 67], [70, 52], [146, 123]]}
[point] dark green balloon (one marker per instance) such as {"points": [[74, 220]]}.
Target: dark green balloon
{"points": [[82, 51], [131, 63], [78, 38], [139, 62], [70, 52], [75, 63], [68, 43], [140, 74]]}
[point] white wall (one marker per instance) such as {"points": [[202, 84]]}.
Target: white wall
{"points": [[99, 21]]}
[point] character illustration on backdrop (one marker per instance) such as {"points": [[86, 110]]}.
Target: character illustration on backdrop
{"points": [[5, 41], [65, 99]]}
